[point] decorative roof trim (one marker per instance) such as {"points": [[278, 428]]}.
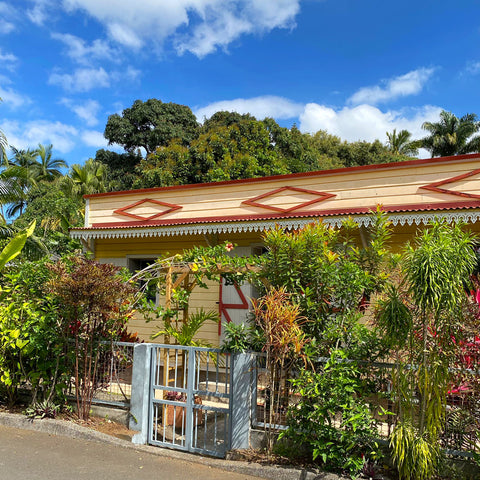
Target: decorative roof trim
{"points": [[435, 187], [409, 218], [275, 216], [321, 196], [171, 207]]}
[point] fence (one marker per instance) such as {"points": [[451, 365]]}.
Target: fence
{"points": [[113, 378], [462, 417]]}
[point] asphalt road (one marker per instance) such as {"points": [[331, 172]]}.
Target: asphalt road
{"points": [[33, 455]]}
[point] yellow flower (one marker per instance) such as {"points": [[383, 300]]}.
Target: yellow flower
{"points": [[194, 267]]}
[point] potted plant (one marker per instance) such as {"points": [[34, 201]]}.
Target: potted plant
{"points": [[175, 415]]}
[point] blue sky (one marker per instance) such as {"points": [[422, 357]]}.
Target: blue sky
{"points": [[354, 68]]}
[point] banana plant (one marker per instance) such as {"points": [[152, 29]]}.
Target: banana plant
{"points": [[15, 245]]}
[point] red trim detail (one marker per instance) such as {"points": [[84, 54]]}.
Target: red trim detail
{"points": [[273, 216], [254, 201], [123, 211], [434, 186], [224, 307], [318, 173]]}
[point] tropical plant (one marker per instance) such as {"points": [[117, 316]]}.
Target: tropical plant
{"points": [[85, 179], [15, 246], [184, 332], [47, 168], [241, 337], [452, 135], [428, 324], [332, 419], [95, 303], [401, 143], [281, 324], [327, 276], [12, 179]]}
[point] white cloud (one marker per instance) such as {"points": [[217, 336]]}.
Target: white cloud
{"points": [[93, 138], [8, 15], [260, 107], [224, 22], [125, 36], [409, 84], [87, 111], [8, 60], [473, 68], [24, 135], [365, 122], [39, 13], [351, 123], [6, 27], [12, 98], [129, 75], [81, 52], [197, 26], [82, 80]]}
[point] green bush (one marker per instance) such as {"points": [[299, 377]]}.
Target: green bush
{"points": [[332, 419]]}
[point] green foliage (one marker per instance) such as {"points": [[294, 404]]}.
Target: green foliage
{"points": [[240, 338], [185, 331], [15, 246], [150, 125], [33, 343], [120, 168], [416, 457], [332, 419], [437, 266], [427, 313], [44, 409], [452, 135], [401, 143], [394, 318], [55, 212], [95, 302], [327, 275], [232, 146]]}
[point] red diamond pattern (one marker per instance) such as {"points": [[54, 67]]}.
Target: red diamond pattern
{"points": [[171, 207], [320, 197]]}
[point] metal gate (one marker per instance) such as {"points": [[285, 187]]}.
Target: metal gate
{"points": [[190, 399]]}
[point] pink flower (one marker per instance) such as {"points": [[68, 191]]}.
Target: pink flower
{"points": [[229, 247]]}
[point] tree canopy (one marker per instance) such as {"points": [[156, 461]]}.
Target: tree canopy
{"points": [[452, 135], [150, 125]]}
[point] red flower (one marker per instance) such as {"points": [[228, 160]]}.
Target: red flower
{"points": [[229, 247]]}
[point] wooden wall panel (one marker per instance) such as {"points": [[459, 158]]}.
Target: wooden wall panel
{"points": [[396, 185]]}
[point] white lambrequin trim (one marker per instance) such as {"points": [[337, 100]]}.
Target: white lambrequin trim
{"points": [[412, 218]]}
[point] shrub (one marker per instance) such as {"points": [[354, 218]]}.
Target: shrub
{"points": [[331, 419]]}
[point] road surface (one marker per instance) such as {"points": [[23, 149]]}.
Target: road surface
{"points": [[33, 455]]}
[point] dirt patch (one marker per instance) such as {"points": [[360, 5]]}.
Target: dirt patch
{"points": [[104, 425]]}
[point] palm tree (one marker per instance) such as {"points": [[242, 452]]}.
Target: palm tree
{"points": [[401, 144], [3, 148], [452, 135], [23, 158], [86, 179], [12, 192], [24, 165], [47, 168]]}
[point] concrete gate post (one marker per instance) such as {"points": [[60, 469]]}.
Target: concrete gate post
{"points": [[241, 410], [139, 400]]}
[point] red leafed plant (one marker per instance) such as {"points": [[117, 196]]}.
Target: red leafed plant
{"points": [[96, 303]]}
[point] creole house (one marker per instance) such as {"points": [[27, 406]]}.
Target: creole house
{"points": [[133, 228]]}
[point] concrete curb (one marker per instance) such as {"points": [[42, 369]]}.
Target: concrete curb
{"points": [[70, 429]]}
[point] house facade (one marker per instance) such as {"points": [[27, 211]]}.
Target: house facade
{"points": [[132, 228]]}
